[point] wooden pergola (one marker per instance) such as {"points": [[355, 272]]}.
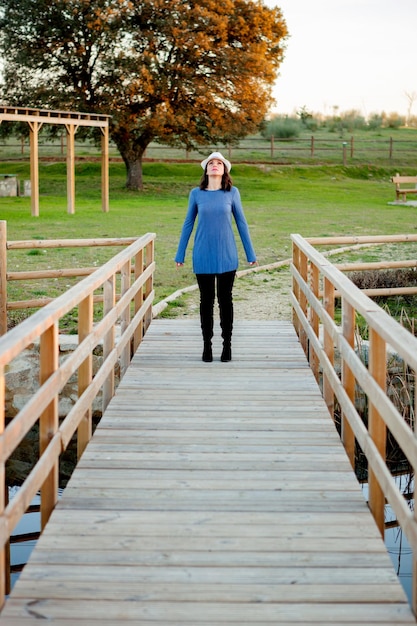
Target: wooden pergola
{"points": [[35, 118]]}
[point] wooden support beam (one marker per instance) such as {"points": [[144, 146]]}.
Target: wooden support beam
{"points": [[105, 169], [126, 317], [71, 130], [85, 371], [348, 379], [109, 293], [137, 337], [49, 348], [328, 302], [314, 321], [376, 426], [34, 166]]}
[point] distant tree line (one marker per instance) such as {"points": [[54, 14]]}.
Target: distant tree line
{"points": [[290, 126]]}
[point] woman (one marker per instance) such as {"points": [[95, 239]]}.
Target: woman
{"points": [[215, 256]]}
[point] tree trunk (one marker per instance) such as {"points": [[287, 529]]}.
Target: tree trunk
{"points": [[134, 178]]}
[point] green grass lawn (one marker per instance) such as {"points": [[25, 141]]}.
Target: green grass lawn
{"points": [[278, 201]]}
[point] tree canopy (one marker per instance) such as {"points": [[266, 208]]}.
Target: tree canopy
{"points": [[180, 72]]}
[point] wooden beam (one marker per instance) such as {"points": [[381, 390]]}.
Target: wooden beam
{"points": [[71, 130], [315, 322], [85, 371], [34, 127], [109, 292], [328, 393], [105, 169], [25, 114], [48, 423], [348, 379], [376, 427]]}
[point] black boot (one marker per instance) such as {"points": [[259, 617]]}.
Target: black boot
{"points": [[226, 352], [207, 352], [225, 300], [206, 285], [226, 323]]}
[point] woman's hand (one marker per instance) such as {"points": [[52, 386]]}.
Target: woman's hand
{"points": [[180, 264], [252, 263]]}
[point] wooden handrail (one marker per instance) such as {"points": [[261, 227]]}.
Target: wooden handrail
{"points": [[134, 308], [311, 303]]}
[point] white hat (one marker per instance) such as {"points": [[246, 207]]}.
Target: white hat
{"points": [[220, 157]]}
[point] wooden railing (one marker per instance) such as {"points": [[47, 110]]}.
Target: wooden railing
{"points": [[316, 284], [131, 312]]}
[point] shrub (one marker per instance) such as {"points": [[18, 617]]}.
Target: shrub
{"points": [[282, 128], [401, 307]]}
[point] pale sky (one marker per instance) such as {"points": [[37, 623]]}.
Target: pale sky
{"points": [[353, 54]]}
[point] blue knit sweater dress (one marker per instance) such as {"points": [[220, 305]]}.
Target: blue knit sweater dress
{"points": [[215, 250]]}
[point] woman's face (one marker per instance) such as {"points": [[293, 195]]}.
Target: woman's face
{"points": [[215, 167]]}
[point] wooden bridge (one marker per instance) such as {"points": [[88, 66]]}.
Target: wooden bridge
{"points": [[212, 494]]}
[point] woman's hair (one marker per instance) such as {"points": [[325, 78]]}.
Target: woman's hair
{"points": [[226, 181]]}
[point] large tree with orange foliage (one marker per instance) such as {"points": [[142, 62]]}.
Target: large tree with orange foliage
{"points": [[180, 72]]}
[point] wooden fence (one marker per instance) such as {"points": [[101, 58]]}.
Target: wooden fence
{"points": [[310, 149], [131, 311], [6, 277], [316, 285]]}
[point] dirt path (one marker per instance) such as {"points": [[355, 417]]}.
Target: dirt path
{"points": [[263, 295]]}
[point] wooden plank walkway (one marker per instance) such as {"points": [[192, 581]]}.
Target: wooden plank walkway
{"points": [[211, 495]]}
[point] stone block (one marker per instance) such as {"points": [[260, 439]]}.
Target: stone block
{"points": [[8, 186]]}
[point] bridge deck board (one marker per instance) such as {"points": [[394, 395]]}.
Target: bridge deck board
{"points": [[210, 495]]}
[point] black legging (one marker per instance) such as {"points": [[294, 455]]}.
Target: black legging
{"points": [[206, 284]]}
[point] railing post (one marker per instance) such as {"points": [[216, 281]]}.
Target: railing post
{"points": [[137, 337], [85, 371], [109, 288], [314, 320], [328, 301], [295, 286], [3, 277], [125, 317], [49, 420], [149, 257], [376, 425], [303, 300], [348, 379]]}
